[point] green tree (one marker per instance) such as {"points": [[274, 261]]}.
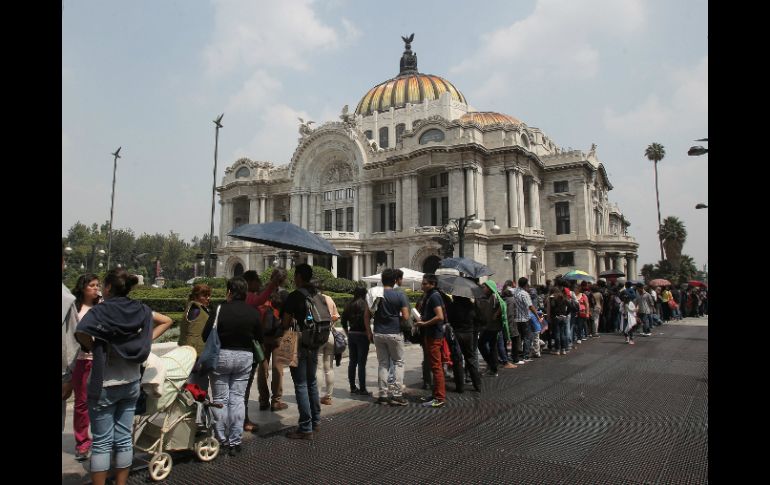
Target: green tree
{"points": [[687, 269], [673, 234], [655, 153]]}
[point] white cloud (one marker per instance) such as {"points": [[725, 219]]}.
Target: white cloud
{"points": [[556, 41], [279, 129], [684, 106], [249, 33], [255, 92]]}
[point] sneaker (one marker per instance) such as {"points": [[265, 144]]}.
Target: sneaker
{"points": [[527, 360], [508, 365], [82, 455], [490, 373], [382, 400], [278, 406], [562, 352], [234, 450], [578, 341], [353, 390], [521, 362], [435, 403], [631, 342], [398, 401]]}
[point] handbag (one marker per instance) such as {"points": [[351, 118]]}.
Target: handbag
{"points": [[259, 352], [285, 352], [340, 343], [210, 356]]}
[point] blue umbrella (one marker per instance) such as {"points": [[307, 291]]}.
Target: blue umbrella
{"points": [[470, 267], [284, 235]]}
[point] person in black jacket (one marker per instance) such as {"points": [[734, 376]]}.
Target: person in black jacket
{"points": [[463, 320], [238, 324], [358, 341]]}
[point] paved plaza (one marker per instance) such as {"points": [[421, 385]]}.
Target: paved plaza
{"points": [[606, 413]]}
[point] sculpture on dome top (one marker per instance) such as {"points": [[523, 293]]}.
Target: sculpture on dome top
{"points": [[409, 58]]}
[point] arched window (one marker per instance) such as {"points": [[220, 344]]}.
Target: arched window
{"points": [[384, 137], [400, 129], [242, 173], [524, 141], [431, 135]]}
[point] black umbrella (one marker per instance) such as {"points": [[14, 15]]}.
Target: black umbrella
{"points": [[470, 267], [612, 272], [284, 235], [459, 286]]}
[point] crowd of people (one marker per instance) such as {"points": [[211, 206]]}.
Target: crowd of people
{"points": [[106, 337]]}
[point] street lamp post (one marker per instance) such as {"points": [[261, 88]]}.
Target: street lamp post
{"points": [[698, 150], [112, 205], [473, 222], [218, 123], [511, 255]]}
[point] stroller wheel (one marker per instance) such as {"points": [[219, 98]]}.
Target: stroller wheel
{"points": [[160, 466], [207, 449]]}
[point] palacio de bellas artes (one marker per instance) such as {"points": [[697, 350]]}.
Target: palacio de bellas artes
{"points": [[392, 183]]}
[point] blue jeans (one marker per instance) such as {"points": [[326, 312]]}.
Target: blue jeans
{"points": [[306, 389], [502, 355], [570, 337], [559, 328], [645, 318], [358, 345], [228, 387], [112, 421]]}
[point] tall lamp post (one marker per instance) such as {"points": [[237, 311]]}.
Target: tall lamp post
{"points": [[212, 256], [511, 254], [473, 222], [112, 205]]}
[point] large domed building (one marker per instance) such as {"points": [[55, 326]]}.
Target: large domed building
{"points": [[392, 185]]}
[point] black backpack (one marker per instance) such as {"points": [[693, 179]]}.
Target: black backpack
{"points": [[317, 324]]}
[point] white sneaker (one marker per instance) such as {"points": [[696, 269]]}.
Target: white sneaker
{"points": [[521, 362], [577, 341]]}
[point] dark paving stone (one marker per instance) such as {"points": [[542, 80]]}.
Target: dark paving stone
{"points": [[606, 413]]}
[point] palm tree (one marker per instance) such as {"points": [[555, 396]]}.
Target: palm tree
{"points": [[673, 234], [655, 153]]}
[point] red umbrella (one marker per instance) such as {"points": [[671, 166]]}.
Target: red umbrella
{"points": [[697, 283], [659, 282]]}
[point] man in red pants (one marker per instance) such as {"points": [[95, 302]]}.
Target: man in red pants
{"points": [[432, 324]]}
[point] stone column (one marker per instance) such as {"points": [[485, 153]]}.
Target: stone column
{"points": [[268, 261], [355, 209], [532, 192], [365, 208], [311, 212], [334, 219], [367, 255], [295, 209], [520, 198], [631, 265], [389, 254], [253, 209], [356, 266], [334, 266], [399, 204], [600, 257], [513, 211], [306, 211], [318, 212], [470, 206], [262, 208], [617, 261], [270, 210], [479, 194], [536, 204], [456, 191], [413, 194]]}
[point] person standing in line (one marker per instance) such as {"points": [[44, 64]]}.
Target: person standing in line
{"points": [[462, 317], [358, 342], [272, 331], [295, 312], [191, 328], [523, 305], [629, 315], [326, 352], [119, 332], [388, 339], [238, 325], [69, 345], [597, 310], [87, 295], [431, 323]]}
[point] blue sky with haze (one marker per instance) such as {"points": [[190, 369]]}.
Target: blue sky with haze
{"points": [[151, 77]]}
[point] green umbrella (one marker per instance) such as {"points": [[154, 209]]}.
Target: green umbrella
{"points": [[579, 276]]}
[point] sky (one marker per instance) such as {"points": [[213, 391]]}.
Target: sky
{"points": [[151, 77]]}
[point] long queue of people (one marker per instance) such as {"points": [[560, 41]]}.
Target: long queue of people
{"points": [[508, 327]]}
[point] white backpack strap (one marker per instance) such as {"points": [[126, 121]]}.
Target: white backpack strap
{"points": [[216, 318]]}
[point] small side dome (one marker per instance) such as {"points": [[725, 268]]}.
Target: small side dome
{"points": [[485, 118]]}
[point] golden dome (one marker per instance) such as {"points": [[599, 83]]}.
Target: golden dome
{"points": [[406, 88], [484, 118]]}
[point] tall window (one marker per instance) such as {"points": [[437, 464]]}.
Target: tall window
{"points": [[384, 137], [392, 211], [433, 212], [444, 211], [562, 218], [349, 192], [339, 214], [561, 186], [382, 217], [400, 128], [445, 179], [349, 219], [565, 259], [598, 222], [433, 181], [327, 220]]}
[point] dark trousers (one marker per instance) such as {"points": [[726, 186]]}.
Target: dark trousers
{"points": [[488, 348], [467, 341], [358, 344]]}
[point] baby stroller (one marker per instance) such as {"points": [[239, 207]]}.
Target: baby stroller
{"points": [[174, 418]]}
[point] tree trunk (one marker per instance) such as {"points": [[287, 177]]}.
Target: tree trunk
{"points": [[657, 199]]}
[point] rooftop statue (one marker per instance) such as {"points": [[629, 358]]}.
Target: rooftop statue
{"points": [[409, 58]]}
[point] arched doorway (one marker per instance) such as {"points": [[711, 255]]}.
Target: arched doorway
{"points": [[430, 265], [238, 269]]}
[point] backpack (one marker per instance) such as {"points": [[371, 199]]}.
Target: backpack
{"points": [[316, 326], [340, 342]]}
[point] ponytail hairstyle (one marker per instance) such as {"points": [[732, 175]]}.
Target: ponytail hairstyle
{"points": [[120, 281]]}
